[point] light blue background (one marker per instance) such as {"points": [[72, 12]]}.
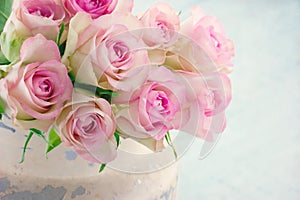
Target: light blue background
{"points": [[258, 156]]}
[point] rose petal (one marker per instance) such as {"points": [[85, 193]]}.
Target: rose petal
{"points": [[39, 49]]}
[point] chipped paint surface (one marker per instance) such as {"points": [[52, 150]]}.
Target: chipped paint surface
{"points": [[71, 155], [48, 193], [4, 184], [2, 125], [79, 182], [78, 192], [168, 195]]}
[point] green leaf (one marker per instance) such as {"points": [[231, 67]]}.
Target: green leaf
{"points": [[2, 107], [3, 59], [169, 141], [2, 74], [25, 146], [5, 10], [102, 167], [54, 140], [97, 91], [40, 134], [3, 15], [117, 136], [72, 77], [101, 91], [105, 94], [0, 116], [32, 132], [62, 46], [61, 30]]}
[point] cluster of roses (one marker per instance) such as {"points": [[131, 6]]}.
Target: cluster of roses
{"points": [[65, 56]]}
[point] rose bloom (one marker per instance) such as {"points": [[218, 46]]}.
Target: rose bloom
{"points": [[162, 23], [29, 18], [88, 125], [209, 95], [209, 33], [96, 8], [38, 86], [39, 16], [105, 52], [154, 108]]}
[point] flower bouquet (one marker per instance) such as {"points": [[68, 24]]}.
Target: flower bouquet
{"points": [[91, 74]]}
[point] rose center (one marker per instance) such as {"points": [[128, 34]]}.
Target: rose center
{"points": [[215, 40], [42, 86], [96, 8], [161, 103], [89, 127], [41, 12], [45, 86], [88, 124], [164, 30], [89, 5], [93, 3], [119, 52]]}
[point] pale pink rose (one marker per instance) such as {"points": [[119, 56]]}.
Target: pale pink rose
{"points": [[96, 8], [39, 16], [106, 53], [208, 95], [29, 18], [119, 60], [16, 3], [154, 108], [163, 22], [38, 86], [209, 33], [185, 55], [88, 125]]}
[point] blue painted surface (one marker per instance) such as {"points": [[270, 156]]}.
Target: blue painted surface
{"points": [[71, 155], [47, 193], [4, 185], [168, 195], [78, 192], [2, 125]]}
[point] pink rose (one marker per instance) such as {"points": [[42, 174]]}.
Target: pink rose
{"points": [[29, 18], [88, 125], [38, 86], [185, 55], [96, 8], [119, 60], [163, 22], [106, 52], [154, 108], [209, 95], [209, 33], [40, 16]]}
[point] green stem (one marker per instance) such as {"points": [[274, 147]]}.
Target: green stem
{"points": [[169, 141], [25, 146]]}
